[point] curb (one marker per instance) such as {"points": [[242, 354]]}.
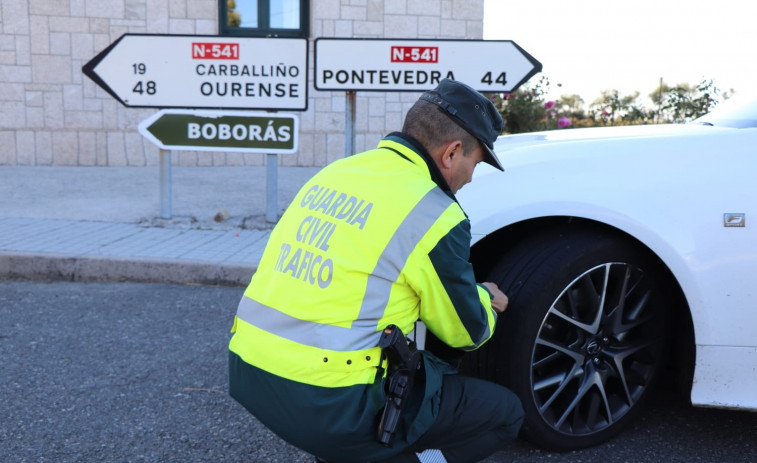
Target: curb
{"points": [[68, 267]]}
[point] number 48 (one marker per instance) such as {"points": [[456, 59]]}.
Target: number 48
{"points": [[501, 79], [146, 87]]}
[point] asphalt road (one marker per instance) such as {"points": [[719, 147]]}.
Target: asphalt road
{"points": [[127, 372]]}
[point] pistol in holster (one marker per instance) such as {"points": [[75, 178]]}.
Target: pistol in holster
{"points": [[404, 360]]}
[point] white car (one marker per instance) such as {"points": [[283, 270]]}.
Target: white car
{"points": [[628, 253]]}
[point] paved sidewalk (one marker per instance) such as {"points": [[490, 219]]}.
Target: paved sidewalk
{"points": [[81, 223]]}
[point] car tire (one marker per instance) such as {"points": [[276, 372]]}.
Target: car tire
{"points": [[582, 339]]}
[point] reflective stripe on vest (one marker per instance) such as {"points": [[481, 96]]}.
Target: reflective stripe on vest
{"points": [[364, 332]]}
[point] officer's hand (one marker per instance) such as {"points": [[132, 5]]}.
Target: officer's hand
{"points": [[499, 302]]}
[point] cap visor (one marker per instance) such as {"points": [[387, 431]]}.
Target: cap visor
{"points": [[491, 158]]}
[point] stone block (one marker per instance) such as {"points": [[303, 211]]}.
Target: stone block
{"points": [[429, 27], [68, 24], [23, 50], [326, 9], [376, 106], [43, 153], [395, 7], [82, 46], [328, 28], [152, 153], [114, 9], [26, 142], [202, 9], [205, 159], [116, 149], [177, 9], [135, 10], [8, 57], [60, 43], [354, 13], [474, 29], [369, 28], [206, 26], [8, 148], [400, 26], [53, 104], [49, 7], [87, 149], [454, 28], [181, 26], [320, 149], [186, 158], [135, 155], [49, 69], [78, 7], [83, 120], [343, 28], [424, 8], [101, 147], [468, 9], [11, 92], [15, 17], [12, 114], [10, 73], [35, 117], [375, 10], [65, 148]]}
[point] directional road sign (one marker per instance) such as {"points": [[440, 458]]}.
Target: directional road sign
{"points": [[235, 131], [195, 71], [417, 65]]}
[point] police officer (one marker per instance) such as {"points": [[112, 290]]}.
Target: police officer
{"points": [[373, 240]]}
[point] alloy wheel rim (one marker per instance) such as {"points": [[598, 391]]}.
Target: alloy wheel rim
{"points": [[596, 351]]}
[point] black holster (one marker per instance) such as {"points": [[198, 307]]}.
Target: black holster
{"points": [[404, 360]]}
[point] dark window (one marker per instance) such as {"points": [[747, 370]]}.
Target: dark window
{"points": [[264, 18]]}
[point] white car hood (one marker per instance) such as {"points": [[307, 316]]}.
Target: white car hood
{"points": [[508, 147]]}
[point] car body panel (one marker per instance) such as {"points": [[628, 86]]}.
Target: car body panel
{"points": [[669, 187]]}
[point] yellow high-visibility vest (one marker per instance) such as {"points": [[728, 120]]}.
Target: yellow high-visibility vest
{"points": [[351, 255]]}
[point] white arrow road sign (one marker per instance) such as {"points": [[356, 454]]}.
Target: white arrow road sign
{"points": [[418, 65], [195, 71]]}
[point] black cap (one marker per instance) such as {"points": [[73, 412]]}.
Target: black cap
{"points": [[471, 111]]}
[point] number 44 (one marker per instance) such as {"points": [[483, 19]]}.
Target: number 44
{"points": [[501, 79]]}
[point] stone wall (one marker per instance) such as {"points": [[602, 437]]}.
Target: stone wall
{"points": [[51, 114]]}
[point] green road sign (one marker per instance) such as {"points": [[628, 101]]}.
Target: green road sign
{"points": [[236, 131]]}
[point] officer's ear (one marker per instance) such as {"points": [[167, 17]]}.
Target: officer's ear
{"points": [[452, 154]]}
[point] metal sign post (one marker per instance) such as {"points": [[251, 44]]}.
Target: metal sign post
{"points": [[349, 125], [272, 187], [166, 186], [234, 131]]}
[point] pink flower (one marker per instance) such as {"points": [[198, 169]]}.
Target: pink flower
{"points": [[549, 105], [563, 122]]}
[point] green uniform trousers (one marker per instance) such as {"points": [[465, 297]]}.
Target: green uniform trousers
{"points": [[474, 418]]}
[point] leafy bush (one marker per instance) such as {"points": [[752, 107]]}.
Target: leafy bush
{"points": [[528, 109]]}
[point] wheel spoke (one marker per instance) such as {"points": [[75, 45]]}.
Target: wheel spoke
{"points": [[618, 357], [583, 326], [576, 356], [562, 380], [592, 379], [546, 360]]}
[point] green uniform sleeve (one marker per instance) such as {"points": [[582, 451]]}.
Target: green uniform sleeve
{"points": [[464, 319]]}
